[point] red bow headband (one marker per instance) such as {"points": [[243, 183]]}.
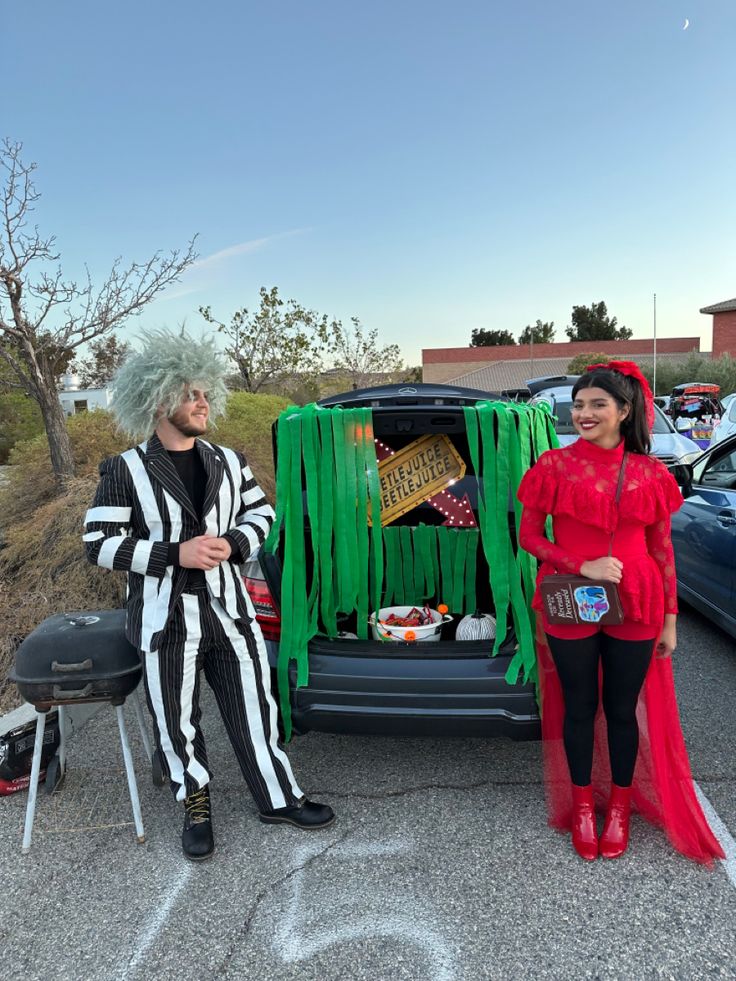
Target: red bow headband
{"points": [[632, 370]]}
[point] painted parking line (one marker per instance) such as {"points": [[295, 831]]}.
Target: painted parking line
{"points": [[724, 836], [406, 921], [156, 923]]}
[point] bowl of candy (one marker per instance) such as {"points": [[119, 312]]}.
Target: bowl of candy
{"points": [[408, 624]]}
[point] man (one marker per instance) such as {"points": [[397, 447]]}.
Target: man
{"points": [[179, 515]]}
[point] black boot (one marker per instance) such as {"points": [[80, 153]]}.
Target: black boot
{"points": [[197, 841], [305, 815]]}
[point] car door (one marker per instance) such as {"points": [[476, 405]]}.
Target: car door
{"points": [[704, 531], [727, 426]]}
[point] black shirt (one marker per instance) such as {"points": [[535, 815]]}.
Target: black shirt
{"points": [[191, 471], [189, 466]]}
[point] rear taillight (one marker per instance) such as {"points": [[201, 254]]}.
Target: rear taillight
{"points": [[266, 613]]}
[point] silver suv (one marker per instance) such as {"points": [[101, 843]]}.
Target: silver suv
{"points": [[667, 444]]}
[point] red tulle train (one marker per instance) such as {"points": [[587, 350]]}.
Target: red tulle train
{"points": [[663, 790]]}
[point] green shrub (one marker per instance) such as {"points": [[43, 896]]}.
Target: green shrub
{"points": [[93, 436], [247, 427], [695, 368], [20, 419], [581, 361]]}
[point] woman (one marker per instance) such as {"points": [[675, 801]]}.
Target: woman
{"points": [[613, 411]]}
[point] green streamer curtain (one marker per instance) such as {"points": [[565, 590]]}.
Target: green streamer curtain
{"points": [[327, 468], [332, 454], [429, 562], [504, 440]]}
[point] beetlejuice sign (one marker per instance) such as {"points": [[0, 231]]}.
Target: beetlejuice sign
{"points": [[416, 473]]}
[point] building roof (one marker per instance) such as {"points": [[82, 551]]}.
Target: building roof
{"points": [[559, 349], [723, 307], [500, 375]]}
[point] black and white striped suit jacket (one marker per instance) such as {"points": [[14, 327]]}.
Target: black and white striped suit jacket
{"points": [[141, 505]]}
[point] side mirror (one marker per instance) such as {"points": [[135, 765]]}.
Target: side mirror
{"points": [[683, 474]]}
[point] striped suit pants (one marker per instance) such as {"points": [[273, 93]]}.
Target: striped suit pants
{"points": [[200, 636]]}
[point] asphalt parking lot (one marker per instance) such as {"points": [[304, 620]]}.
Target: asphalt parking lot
{"points": [[440, 866]]}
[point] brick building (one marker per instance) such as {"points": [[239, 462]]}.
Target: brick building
{"points": [[724, 327], [508, 366]]}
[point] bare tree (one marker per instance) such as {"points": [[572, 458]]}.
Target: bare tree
{"points": [[280, 342], [44, 317], [357, 354]]}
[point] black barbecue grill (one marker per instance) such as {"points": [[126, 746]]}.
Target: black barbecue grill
{"points": [[77, 657], [73, 659]]}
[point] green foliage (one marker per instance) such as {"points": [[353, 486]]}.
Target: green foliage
{"points": [[412, 376], [93, 436], [20, 419], [357, 353], [247, 427], [282, 348], [581, 361], [43, 570], [491, 338], [279, 340], [593, 324], [544, 333], [695, 368], [106, 355]]}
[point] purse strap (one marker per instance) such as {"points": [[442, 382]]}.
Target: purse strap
{"points": [[619, 487]]}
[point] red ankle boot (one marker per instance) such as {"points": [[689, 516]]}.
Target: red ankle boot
{"points": [[584, 832], [615, 837]]}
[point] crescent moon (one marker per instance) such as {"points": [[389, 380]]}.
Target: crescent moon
{"points": [[686, 24]]}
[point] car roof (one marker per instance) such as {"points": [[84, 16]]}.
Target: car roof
{"points": [[544, 382], [414, 394], [559, 393]]}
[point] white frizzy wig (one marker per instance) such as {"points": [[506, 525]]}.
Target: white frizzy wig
{"points": [[154, 378]]}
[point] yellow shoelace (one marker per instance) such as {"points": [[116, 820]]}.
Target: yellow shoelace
{"points": [[198, 806]]}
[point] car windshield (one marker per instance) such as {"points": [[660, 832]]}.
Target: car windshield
{"points": [[564, 426]]}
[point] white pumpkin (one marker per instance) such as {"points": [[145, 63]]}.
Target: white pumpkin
{"points": [[476, 626]]}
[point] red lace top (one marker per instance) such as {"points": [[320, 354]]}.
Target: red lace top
{"points": [[577, 486]]}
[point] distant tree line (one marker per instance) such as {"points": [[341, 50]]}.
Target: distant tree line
{"points": [[588, 324]]}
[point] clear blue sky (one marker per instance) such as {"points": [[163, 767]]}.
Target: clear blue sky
{"points": [[428, 167]]}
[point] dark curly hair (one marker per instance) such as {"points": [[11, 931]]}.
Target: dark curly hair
{"points": [[627, 392]]}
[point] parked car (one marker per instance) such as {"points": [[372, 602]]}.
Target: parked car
{"points": [[366, 686], [727, 426], [667, 444], [704, 534], [696, 411]]}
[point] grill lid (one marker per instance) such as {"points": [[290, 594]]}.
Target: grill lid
{"points": [[80, 647]]}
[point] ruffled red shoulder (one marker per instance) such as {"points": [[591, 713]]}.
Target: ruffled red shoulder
{"points": [[574, 482], [656, 485], [538, 487]]}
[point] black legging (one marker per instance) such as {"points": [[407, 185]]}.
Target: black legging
{"points": [[625, 664]]}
